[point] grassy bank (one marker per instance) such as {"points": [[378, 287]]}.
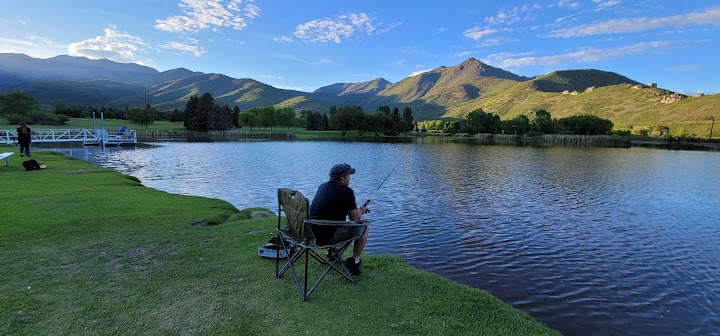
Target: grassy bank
{"points": [[86, 250]]}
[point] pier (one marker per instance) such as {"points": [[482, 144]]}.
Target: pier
{"points": [[88, 137]]}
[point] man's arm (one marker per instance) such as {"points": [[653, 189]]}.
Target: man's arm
{"points": [[356, 214]]}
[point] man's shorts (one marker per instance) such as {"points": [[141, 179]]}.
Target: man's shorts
{"points": [[345, 233]]}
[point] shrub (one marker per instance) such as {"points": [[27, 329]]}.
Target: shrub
{"points": [[37, 117]]}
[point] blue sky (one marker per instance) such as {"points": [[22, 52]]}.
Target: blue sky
{"points": [[305, 45]]}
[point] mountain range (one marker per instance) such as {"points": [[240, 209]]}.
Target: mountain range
{"points": [[444, 92]]}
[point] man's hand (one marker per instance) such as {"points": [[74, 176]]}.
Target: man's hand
{"points": [[365, 206]]}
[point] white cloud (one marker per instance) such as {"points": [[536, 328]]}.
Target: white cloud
{"points": [[710, 16], [114, 45], [295, 88], [515, 15], [463, 54], [388, 27], [192, 49], [569, 3], [335, 30], [319, 61], [585, 55], [22, 22], [209, 14], [601, 4], [282, 39], [478, 33], [490, 42], [419, 72]]}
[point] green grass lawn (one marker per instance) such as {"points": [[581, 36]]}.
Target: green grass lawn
{"points": [[85, 250]]}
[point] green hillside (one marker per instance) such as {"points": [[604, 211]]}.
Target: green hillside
{"points": [[432, 93], [578, 80], [89, 93], [244, 92], [628, 107]]}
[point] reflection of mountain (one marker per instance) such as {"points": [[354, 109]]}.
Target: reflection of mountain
{"points": [[444, 92]]}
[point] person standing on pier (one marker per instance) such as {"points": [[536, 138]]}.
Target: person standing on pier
{"points": [[24, 139]]}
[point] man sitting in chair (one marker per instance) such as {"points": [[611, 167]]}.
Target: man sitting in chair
{"points": [[334, 200]]}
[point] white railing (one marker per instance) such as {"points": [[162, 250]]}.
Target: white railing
{"points": [[86, 136], [7, 137], [118, 138]]}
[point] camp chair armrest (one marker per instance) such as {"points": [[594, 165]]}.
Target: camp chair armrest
{"points": [[363, 222]]}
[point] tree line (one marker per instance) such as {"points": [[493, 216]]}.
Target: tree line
{"points": [[479, 121], [204, 114]]}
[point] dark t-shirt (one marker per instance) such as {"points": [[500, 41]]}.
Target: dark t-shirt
{"points": [[332, 202]]}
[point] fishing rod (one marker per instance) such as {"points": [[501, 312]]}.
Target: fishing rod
{"points": [[383, 182]]}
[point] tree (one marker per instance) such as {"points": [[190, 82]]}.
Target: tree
{"points": [[249, 119], [286, 117], [142, 116], [384, 109], [341, 120], [396, 119], [268, 116], [57, 107], [518, 125], [174, 116], [453, 127], [302, 118], [479, 121], [316, 121], [358, 120], [543, 122], [219, 118], [191, 110], [408, 120], [205, 107], [585, 125], [378, 122], [236, 117], [17, 102]]}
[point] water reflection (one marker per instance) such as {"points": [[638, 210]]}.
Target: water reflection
{"points": [[589, 241]]}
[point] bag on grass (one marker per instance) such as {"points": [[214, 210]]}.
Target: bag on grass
{"points": [[31, 165]]}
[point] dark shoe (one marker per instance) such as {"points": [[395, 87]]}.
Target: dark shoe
{"points": [[352, 266]]}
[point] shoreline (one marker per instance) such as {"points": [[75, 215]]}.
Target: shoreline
{"points": [[677, 145]]}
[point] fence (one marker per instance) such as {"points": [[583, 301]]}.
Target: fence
{"points": [[151, 135]]}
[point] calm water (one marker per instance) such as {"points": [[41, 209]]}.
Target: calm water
{"points": [[588, 241]]}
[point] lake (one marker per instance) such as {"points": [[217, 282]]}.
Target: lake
{"points": [[590, 241]]}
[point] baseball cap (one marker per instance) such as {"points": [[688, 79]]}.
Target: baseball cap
{"points": [[341, 169]]}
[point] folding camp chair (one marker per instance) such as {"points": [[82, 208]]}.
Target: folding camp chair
{"points": [[298, 230]]}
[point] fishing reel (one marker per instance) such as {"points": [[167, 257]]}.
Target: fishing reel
{"points": [[365, 205]]}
